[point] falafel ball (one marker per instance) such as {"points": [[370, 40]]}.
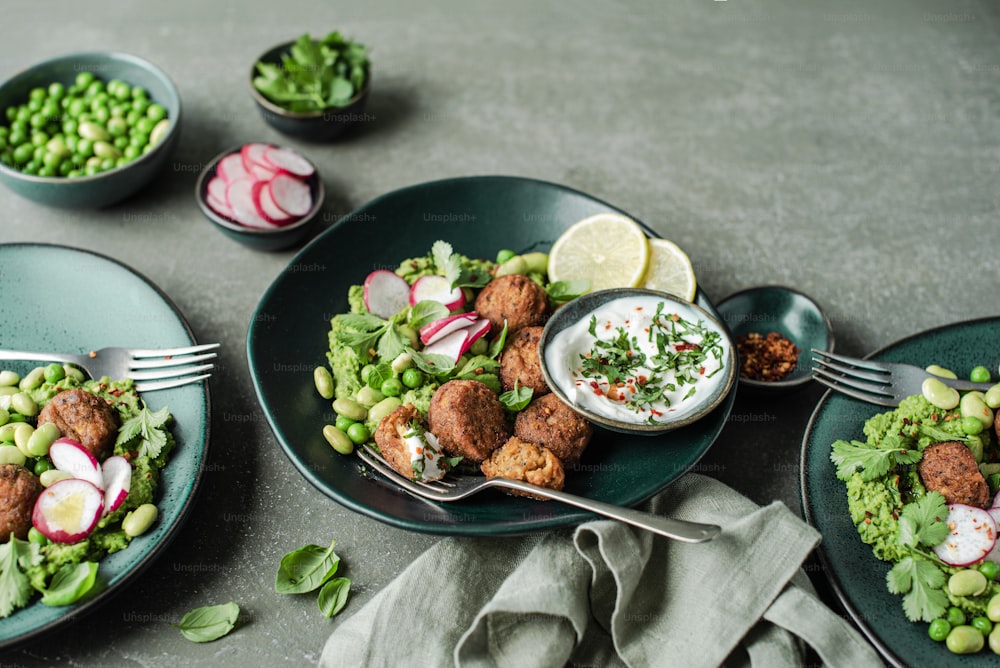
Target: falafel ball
{"points": [[521, 460], [468, 420], [19, 489], [950, 468], [513, 298], [84, 417], [547, 421], [520, 364], [389, 435]]}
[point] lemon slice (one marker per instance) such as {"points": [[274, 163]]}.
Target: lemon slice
{"points": [[607, 249], [670, 270]]}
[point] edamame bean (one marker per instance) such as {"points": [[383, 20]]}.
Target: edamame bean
{"points": [[383, 408], [350, 409], [993, 608], [972, 405], [73, 373], [9, 378], [369, 396], [992, 396], [994, 639], [10, 454], [968, 582], [21, 435], [941, 372], [537, 263], [23, 404], [338, 439], [40, 440], [323, 380], [138, 521], [93, 132], [52, 476], [159, 131], [515, 265], [7, 432], [965, 639], [33, 379], [402, 362], [4, 416], [939, 394]]}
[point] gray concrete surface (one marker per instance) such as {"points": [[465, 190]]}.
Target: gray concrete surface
{"points": [[849, 149]]}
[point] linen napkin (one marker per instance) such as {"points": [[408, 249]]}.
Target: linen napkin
{"points": [[610, 595]]}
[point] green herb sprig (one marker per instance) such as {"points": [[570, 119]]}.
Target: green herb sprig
{"points": [[922, 525]]}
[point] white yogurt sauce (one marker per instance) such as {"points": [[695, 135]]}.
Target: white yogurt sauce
{"points": [[631, 319], [424, 447]]}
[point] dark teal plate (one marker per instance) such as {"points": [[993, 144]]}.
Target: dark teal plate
{"points": [[478, 215], [54, 298], [856, 575]]}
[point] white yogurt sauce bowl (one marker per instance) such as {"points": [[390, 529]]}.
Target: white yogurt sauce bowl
{"points": [[680, 366]]}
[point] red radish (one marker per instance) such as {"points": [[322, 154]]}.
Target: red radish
{"points": [[288, 161], [266, 207], [291, 194], [451, 346], [437, 288], [994, 553], [441, 327], [219, 206], [67, 511], [239, 196], [116, 472], [972, 533], [70, 456], [231, 168], [386, 293]]}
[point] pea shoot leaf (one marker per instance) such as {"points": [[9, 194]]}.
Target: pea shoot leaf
{"points": [[209, 622], [870, 461], [920, 582]]}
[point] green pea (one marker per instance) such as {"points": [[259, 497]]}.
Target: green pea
{"points": [[964, 640], [366, 373], [383, 408], [338, 440], [24, 404], [40, 440], [84, 79], [323, 380], [939, 394], [941, 372], [138, 139], [343, 422], [54, 373], [504, 254], [412, 378], [955, 616], [392, 387], [37, 537], [42, 465], [979, 374], [9, 378], [117, 127], [369, 396], [358, 433], [85, 147], [156, 112], [990, 569], [992, 396], [350, 409], [12, 455], [938, 630], [22, 153], [138, 521], [983, 624]]}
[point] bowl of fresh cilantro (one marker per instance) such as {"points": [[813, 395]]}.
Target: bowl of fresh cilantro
{"points": [[313, 89]]}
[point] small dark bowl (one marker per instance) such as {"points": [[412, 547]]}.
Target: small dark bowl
{"points": [[106, 188], [315, 126], [776, 308], [580, 308], [278, 238]]}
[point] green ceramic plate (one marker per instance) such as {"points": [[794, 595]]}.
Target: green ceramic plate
{"points": [[54, 298], [478, 216], [856, 575]]}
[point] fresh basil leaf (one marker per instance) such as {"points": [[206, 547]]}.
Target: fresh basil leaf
{"points": [[561, 292], [378, 374], [427, 311], [498, 343], [333, 596], [70, 583], [517, 399], [433, 364], [306, 569], [490, 380], [210, 622], [477, 365]]}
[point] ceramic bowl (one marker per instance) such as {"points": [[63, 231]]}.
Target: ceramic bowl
{"points": [[316, 126], [114, 185], [557, 360], [270, 239], [776, 308]]}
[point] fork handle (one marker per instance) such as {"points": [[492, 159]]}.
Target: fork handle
{"points": [[960, 384], [24, 356], [688, 532]]}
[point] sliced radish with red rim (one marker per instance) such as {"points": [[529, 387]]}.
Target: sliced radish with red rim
{"points": [[67, 511]]}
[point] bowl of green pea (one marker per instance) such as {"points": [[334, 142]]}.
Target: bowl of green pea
{"points": [[86, 130]]}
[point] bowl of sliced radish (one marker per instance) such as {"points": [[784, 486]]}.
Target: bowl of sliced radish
{"points": [[264, 196]]}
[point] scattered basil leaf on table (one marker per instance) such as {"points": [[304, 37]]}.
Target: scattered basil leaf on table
{"points": [[306, 569], [333, 596], [210, 622]]}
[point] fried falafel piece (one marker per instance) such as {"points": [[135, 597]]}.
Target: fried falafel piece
{"points": [[521, 460], [514, 299], [520, 364], [19, 489], [950, 468], [84, 417], [390, 437], [468, 420], [548, 422]]}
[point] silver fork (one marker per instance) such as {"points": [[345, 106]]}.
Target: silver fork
{"points": [[881, 383], [454, 487], [151, 369]]}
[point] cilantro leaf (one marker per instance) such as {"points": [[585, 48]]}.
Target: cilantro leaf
{"points": [[870, 461], [148, 428], [923, 522], [921, 583], [15, 586]]}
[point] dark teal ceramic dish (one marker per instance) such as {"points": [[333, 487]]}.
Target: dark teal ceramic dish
{"points": [[793, 314], [288, 338], [689, 412], [115, 185], [316, 126], [272, 239], [858, 578], [39, 310]]}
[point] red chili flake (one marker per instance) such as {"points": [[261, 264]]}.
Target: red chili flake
{"points": [[686, 345], [701, 371], [767, 358], [675, 317], [642, 379]]}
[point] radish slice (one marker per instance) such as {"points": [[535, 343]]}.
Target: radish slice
{"points": [[239, 196], [266, 207], [385, 293], [67, 511], [451, 346], [288, 161], [478, 330], [994, 553], [253, 154], [231, 168], [219, 206], [70, 456], [116, 473], [441, 327], [437, 288], [972, 534], [217, 187], [291, 194]]}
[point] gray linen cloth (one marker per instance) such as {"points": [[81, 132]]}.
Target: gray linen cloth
{"points": [[610, 595]]}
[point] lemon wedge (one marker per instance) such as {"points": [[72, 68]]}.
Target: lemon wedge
{"points": [[670, 270], [608, 249]]}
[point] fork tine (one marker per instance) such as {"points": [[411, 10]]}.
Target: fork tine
{"points": [[852, 372], [171, 372], [853, 361], [147, 386], [151, 363], [169, 352], [874, 394]]}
